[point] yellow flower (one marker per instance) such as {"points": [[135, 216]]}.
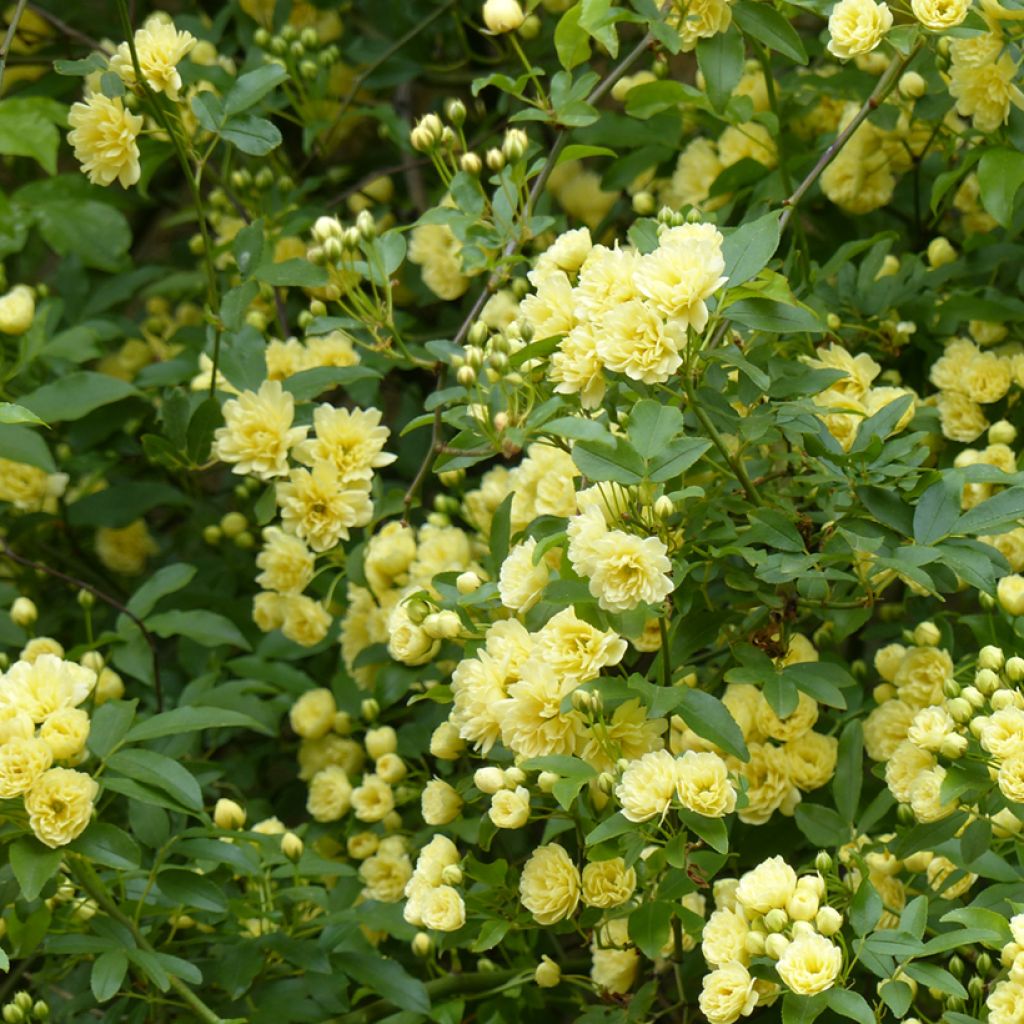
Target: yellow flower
{"points": [[352, 439], [17, 310], [319, 507], [532, 723], [811, 759], [727, 994], [810, 964], [330, 794], [520, 582], [577, 650], [630, 571], [286, 562], [502, 16], [856, 27], [22, 761], [635, 341], [549, 887], [436, 249], [769, 886], [373, 800], [703, 784], [800, 720], [940, 14], [701, 19], [312, 715], [442, 909], [65, 732], [647, 786], [439, 803], [104, 137], [60, 805], [984, 91], [305, 621], [44, 686], [258, 432], [29, 488], [385, 876], [160, 47], [510, 808], [724, 938], [1005, 1003], [408, 641], [608, 883]]}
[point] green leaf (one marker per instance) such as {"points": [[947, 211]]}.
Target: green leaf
{"points": [[677, 457], [108, 845], [110, 722], [579, 152], [76, 395], [995, 515], [650, 926], [618, 463], [187, 888], [19, 444], [850, 1004], [821, 680], [866, 908], [982, 919], [962, 937], [882, 423], [159, 772], [207, 628], [768, 26], [108, 971], [386, 978], [616, 825], [247, 247], [33, 865], [572, 43], [651, 98], [167, 580], [1000, 176], [711, 830], [802, 1009], [898, 996], [253, 135], [28, 127], [251, 87], [95, 232], [937, 510], [823, 826], [773, 316], [721, 62], [294, 273], [748, 248], [849, 775], [235, 304], [308, 384], [192, 718], [708, 717], [651, 426], [13, 413], [933, 976], [122, 504], [80, 68]]}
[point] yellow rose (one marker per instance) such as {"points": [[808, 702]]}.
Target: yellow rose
{"points": [[510, 808], [703, 784], [312, 715], [17, 310], [330, 794], [442, 909], [550, 884], [810, 964], [856, 27], [728, 994], [724, 938], [373, 800], [65, 733], [22, 762], [647, 786], [60, 805], [608, 883], [769, 886], [439, 803]]}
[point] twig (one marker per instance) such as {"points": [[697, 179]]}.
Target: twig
{"points": [[879, 93], [370, 68], [12, 30], [91, 882], [158, 692], [68, 30]]}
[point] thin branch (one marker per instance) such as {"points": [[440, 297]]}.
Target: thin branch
{"points": [[68, 30], [884, 86], [73, 581], [12, 30]]}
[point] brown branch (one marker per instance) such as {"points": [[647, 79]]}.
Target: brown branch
{"points": [[73, 581], [12, 30], [68, 30]]}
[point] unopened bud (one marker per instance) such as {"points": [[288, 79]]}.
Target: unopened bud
{"points": [[228, 815], [24, 612], [422, 944], [292, 847], [548, 974], [369, 709], [911, 85], [495, 159]]}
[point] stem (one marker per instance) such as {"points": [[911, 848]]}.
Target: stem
{"points": [[666, 664], [6, 552], [734, 462], [93, 885], [192, 179], [12, 30], [879, 93]]}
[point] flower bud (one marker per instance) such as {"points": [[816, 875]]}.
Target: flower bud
{"points": [[828, 920], [987, 681], [381, 741], [546, 781], [911, 85], [445, 742], [451, 874], [443, 625], [422, 944], [489, 779], [495, 159], [41, 1011], [292, 847], [13, 1014], [515, 144], [427, 133], [530, 27], [1002, 432], [228, 815], [1014, 669], [24, 612], [466, 376], [502, 16], [959, 709], [471, 163], [86, 599], [983, 965], [366, 225], [468, 582], [927, 634], [940, 252], [369, 709], [754, 943], [548, 974], [643, 204], [973, 696], [776, 920], [823, 861], [664, 507], [775, 945], [455, 111], [833, 322], [953, 746]]}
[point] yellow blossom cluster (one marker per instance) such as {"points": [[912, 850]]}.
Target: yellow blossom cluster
{"points": [[43, 732], [968, 378]]}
